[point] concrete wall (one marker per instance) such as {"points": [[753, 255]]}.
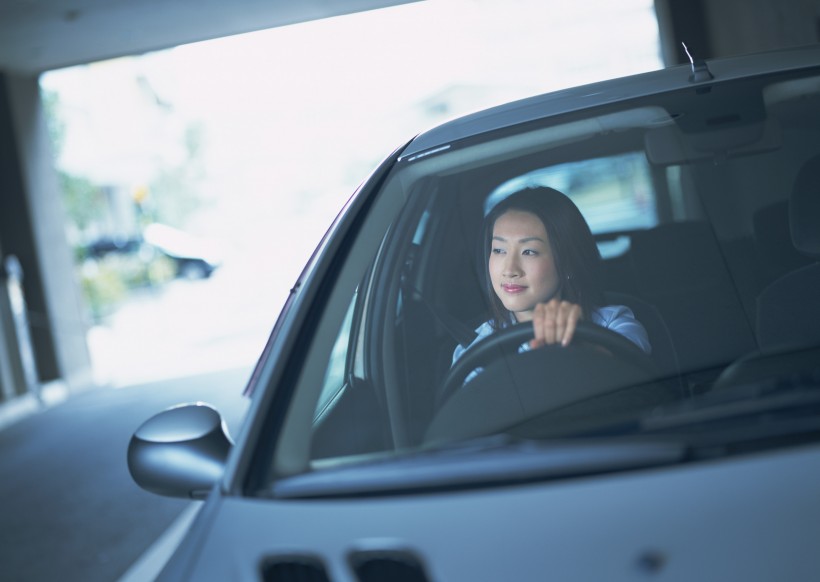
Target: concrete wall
{"points": [[719, 28], [746, 26]]}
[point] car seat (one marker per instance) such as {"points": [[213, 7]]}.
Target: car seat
{"points": [[679, 268], [663, 349], [788, 310], [776, 255]]}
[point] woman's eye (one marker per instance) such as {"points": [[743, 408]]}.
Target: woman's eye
{"points": [[530, 253], [497, 251]]}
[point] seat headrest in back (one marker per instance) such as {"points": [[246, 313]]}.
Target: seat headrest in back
{"points": [[804, 209]]}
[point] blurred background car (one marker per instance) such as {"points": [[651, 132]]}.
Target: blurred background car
{"points": [[192, 258]]}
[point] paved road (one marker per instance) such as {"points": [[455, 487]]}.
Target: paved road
{"points": [[68, 507]]}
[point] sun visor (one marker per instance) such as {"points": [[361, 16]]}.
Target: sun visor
{"points": [[670, 146]]}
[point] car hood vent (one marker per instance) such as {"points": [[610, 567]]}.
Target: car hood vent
{"points": [[396, 566], [293, 569]]}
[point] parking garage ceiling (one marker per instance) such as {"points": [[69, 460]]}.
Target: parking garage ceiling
{"points": [[41, 35]]}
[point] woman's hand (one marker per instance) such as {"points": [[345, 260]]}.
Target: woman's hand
{"points": [[554, 322]]}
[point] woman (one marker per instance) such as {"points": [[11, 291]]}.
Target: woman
{"points": [[542, 266]]}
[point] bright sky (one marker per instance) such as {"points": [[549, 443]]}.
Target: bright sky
{"points": [[295, 117]]}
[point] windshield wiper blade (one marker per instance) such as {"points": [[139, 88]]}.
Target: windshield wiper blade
{"points": [[721, 409], [475, 465]]}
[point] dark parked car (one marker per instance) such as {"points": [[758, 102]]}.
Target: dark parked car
{"points": [[192, 258], [106, 245], [368, 455]]}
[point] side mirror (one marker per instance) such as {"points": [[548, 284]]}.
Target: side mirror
{"points": [[180, 452]]}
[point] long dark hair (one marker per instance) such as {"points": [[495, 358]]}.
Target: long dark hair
{"points": [[576, 255]]}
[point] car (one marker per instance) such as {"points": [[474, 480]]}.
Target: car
{"points": [[367, 453], [191, 257], [194, 258], [105, 245]]}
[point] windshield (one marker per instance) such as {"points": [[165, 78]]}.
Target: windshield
{"points": [[691, 260]]}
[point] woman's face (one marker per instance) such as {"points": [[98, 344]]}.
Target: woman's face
{"points": [[522, 267]]}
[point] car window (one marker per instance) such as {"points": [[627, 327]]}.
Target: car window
{"points": [[337, 368]]}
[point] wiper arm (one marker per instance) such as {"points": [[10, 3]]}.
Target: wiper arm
{"points": [[707, 410], [478, 464]]}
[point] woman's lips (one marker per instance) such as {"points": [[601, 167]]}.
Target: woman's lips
{"points": [[510, 288]]}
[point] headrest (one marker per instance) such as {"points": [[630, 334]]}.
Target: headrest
{"points": [[774, 240], [804, 209]]}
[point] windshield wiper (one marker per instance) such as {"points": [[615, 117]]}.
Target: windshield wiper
{"points": [[706, 410], [493, 461]]}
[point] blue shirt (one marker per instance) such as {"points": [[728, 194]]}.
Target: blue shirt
{"points": [[618, 318]]}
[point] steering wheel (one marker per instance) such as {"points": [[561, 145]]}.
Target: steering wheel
{"points": [[508, 339]]}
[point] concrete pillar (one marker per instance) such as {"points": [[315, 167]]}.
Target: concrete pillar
{"points": [[32, 227], [683, 21]]}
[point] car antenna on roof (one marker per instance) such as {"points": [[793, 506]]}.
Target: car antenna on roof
{"points": [[700, 71]]}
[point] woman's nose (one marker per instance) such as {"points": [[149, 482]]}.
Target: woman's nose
{"points": [[512, 268]]}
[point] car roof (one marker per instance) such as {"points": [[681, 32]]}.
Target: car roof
{"points": [[608, 92]]}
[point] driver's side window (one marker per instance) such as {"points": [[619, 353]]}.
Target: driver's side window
{"points": [[335, 380]]}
